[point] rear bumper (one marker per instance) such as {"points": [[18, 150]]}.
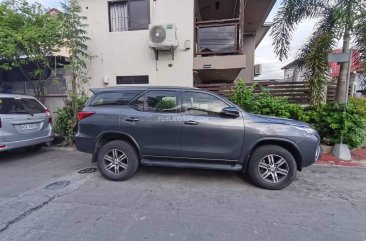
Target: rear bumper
{"points": [[6, 146], [84, 144]]}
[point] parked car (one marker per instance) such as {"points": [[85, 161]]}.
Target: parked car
{"points": [[24, 122], [124, 127]]}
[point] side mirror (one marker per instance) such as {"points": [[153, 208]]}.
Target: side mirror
{"points": [[231, 112]]}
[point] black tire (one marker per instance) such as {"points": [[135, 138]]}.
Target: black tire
{"points": [[35, 148], [130, 163], [272, 176]]}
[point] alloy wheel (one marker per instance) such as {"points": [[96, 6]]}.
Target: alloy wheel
{"points": [[115, 161], [273, 168]]}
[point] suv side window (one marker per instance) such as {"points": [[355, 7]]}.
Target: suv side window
{"points": [[158, 101], [114, 98], [202, 104]]}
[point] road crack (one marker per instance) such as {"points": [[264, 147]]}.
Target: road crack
{"points": [[25, 214]]}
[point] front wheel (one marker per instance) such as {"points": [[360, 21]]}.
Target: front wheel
{"points": [[117, 160], [272, 167]]}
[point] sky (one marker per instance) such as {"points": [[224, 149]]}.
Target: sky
{"points": [[271, 66]]}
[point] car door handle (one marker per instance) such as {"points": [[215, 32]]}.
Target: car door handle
{"points": [[132, 119], [191, 123]]}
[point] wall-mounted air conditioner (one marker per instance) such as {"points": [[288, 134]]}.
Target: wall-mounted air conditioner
{"points": [[163, 36], [257, 69]]}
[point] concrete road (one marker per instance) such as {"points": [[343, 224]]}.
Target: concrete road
{"points": [[324, 203]]}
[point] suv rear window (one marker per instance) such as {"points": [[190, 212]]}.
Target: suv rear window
{"points": [[20, 106], [114, 98]]}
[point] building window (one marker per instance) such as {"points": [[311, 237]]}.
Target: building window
{"points": [[129, 15], [124, 80]]}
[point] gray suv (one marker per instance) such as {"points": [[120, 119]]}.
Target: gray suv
{"points": [[124, 127], [24, 122]]}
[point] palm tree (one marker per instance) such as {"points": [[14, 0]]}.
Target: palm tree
{"points": [[338, 19]]}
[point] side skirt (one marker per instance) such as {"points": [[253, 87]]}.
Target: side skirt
{"points": [[224, 166]]}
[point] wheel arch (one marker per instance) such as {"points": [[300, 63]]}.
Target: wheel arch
{"points": [[285, 143], [106, 137]]}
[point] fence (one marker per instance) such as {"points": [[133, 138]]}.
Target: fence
{"points": [[53, 86], [295, 92]]}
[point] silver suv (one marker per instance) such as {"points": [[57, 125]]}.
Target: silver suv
{"points": [[24, 122]]}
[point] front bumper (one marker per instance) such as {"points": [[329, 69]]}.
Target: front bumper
{"points": [[6, 146]]}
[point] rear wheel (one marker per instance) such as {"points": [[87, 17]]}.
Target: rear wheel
{"points": [[272, 167], [117, 160], [35, 148]]}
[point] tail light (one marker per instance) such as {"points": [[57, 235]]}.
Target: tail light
{"points": [[48, 115], [84, 114]]}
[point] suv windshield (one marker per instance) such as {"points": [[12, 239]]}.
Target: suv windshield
{"points": [[20, 106]]}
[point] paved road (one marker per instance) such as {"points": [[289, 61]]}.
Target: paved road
{"points": [[324, 203]]}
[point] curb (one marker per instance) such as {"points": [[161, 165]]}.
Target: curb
{"points": [[330, 160]]}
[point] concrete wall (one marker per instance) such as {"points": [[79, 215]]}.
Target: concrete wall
{"points": [[53, 103], [127, 53], [247, 74]]}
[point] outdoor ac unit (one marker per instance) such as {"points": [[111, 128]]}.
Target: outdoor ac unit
{"points": [[163, 36], [257, 69]]}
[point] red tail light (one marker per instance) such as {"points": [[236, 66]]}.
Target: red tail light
{"points": [[84, 114], [48, 115]]}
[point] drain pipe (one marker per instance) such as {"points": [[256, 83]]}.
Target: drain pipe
{"points": [[154, 11]]}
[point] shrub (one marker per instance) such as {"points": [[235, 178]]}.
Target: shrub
{"points": [[329, 120], [265, 104], [66, 119]]}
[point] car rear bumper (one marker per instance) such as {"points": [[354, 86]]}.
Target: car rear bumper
{"points": [[6, 146]]}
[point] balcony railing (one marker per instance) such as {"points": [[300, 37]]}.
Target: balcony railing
{"points": [[219, 37]]}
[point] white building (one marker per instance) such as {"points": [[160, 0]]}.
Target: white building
{"points": [[217, 40]]}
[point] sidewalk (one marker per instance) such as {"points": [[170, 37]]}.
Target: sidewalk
{"points": [[358, 159]]}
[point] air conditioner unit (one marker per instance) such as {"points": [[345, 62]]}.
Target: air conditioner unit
{"points": [[163, 36], [257, 69]]}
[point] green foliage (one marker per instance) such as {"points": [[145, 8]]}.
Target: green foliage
{"points": [[74, 35], [336, 19], [315, 58], [329, 120], [28, 35], [264, 103], [165, 104], [66, 119]]}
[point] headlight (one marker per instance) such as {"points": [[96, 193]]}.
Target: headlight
{"points": [[308, 130]]}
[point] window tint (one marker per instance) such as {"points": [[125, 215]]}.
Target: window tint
{"points": [[129, 15], [114, 98], [158, 101], [20, 106], [202, 104]]}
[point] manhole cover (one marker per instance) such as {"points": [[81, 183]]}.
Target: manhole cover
{"points": [[87, 170], [57, 185]]}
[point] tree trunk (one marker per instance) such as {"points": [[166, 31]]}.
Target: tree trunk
{"points": [[342, 89]]}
